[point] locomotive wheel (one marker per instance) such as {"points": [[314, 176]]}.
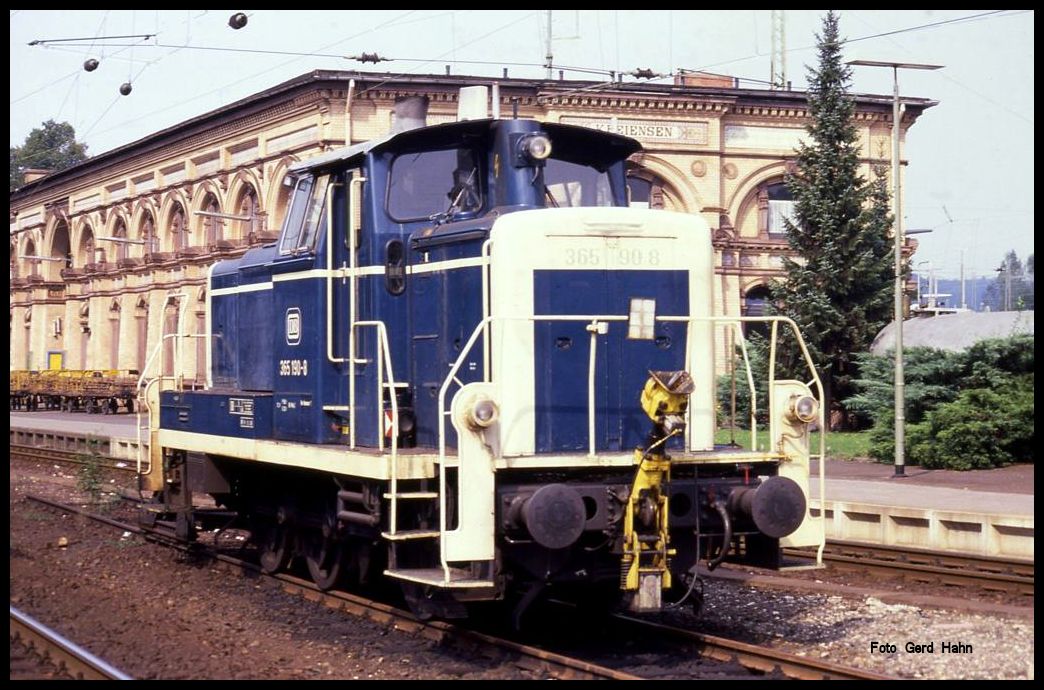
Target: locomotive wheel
{"points": [[324, 563], [275, 550]]}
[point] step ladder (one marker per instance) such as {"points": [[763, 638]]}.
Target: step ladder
{"points": [[435, 574]]}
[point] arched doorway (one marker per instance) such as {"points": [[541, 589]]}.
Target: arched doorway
{"points": [[60, 249]]}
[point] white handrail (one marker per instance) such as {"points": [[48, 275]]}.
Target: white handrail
{"points": [[384, 353], [329, 275], [351, 304], [143, 388], [486, 345]]}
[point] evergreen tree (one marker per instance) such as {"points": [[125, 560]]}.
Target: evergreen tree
{"points": [[50, 147], [839, 288]]}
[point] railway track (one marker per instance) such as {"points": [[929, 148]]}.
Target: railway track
{"points": [[760, 660], [35, 649], [754, 657], [68, 457], [933, 567]]}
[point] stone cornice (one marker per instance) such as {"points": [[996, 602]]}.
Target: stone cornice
{"points": [[635, 103]]}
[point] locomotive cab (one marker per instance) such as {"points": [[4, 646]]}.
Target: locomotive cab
{"points": [[445, 371]]}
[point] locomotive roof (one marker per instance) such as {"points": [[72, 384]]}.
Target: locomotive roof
{"points": [[571, 142]]}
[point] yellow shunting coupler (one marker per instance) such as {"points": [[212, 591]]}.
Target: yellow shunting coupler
{"points": [[645, 571]]}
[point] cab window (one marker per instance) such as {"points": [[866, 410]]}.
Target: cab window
{"points": [[571, 184], [306, 214], [428, 183]]}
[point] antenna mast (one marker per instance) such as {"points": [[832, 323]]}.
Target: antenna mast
{"points": [[779, 50]]}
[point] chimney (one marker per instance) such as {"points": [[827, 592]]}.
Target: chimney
{"points": [[411, 112], [718, 81], [34, 174]]}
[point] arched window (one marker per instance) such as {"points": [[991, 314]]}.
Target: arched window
{"points": [[247, 207], [212, 226], [178, 229], [754, 305], [147, 232], [86, 252], [780, 206], [30, 250], [120, 231], [282, 200], [644, 190]]}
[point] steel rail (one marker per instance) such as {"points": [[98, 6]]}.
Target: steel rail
{"points": [[992, 573], [529, 658], [75, 660], [755, 657], [72, 457]]}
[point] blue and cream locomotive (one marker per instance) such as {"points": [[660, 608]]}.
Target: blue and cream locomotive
{"points": [[469, 366]]}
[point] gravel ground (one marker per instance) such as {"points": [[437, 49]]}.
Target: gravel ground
{"points": [[156, 615], [842, 629]]}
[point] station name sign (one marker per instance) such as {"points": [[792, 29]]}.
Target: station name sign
{"points": [[649, 130]]}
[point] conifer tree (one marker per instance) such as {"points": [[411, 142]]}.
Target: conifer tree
{"points": [[838, 288]]}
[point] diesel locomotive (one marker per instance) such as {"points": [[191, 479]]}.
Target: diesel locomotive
{"points": [[469, 366]]}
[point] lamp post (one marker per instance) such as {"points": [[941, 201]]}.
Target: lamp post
{"points": [[900, 386], [919, 281]]}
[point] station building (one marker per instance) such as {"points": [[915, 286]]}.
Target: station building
{"points": [[122, 242]]}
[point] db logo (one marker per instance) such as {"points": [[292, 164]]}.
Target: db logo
{"points": [[293, 326]]}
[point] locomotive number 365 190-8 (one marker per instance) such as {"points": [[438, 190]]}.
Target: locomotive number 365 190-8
{"points": [[293, 367], [612, 256]]}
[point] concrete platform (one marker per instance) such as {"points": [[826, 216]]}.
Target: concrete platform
{"points": [[115, 436], [982, 512]]}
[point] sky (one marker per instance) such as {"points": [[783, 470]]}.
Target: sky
{"points": [[970, 173]]}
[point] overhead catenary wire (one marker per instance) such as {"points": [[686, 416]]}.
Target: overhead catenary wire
{"points": [[407, 18], [263, 72]]}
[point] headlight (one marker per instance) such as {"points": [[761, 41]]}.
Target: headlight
{"points": [[803, 408], [536, 147], [482, 413]]}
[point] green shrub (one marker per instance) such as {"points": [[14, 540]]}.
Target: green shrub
{"points": [[983, 428], [965, 410]]}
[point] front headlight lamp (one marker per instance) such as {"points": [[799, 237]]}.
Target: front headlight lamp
{"points": [[482, 414], [535, 147], [803, 408]]}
